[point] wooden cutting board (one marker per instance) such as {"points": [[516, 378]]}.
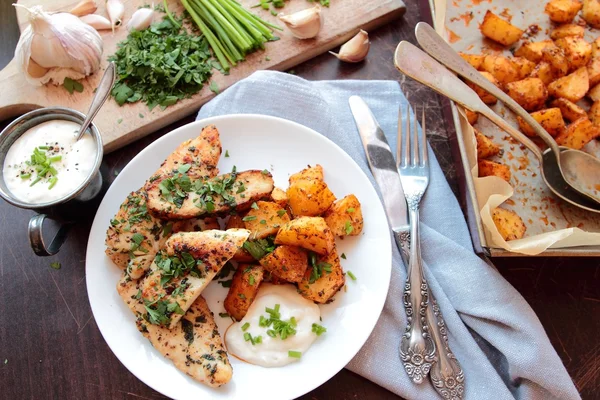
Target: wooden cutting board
{"points": [[122, 125]]}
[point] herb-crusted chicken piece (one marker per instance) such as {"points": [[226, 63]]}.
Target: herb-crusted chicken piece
{"points": [[181, 271], [194, 344]]}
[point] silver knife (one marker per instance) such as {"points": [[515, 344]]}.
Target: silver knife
{"points": [[383, 167]]}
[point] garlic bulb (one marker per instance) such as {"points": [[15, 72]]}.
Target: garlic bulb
{"points": [[115, 9], [141, 19], [57, 46], [304, 24], [356, 49], [84, 7], [98, 22]]}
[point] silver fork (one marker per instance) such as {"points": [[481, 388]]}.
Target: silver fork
{"points": [[417, 348]]}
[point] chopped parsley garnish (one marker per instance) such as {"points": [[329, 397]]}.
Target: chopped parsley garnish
{"points": [[226, 283], [318, 329], [350, 210], [351, 275], [226, 153], [159, 311], [175, 266], [348, 228], [224, 315], [72, 86], [136, 241], [214, 87], [343, 256], [294, 354], [251, 280], [55, 265], [318, 268], [263, 221], [254, 206], [280, 213], [249, 218], [259, 248], [265, 172]]}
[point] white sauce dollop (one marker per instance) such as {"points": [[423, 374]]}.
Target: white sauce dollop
{"points": [[273, 352], [72, 170]]}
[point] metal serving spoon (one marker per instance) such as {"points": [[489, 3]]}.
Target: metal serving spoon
{"points": [[580, 169], [415, 63], [102, 92]]}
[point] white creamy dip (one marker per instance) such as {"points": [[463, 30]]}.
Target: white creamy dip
{"points": [[271, 351], [71, 162]]}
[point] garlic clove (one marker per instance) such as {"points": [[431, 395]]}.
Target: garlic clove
{"points": [[356, 49], [35, 70], [84, 7], [141, 19], [304, 24], [98, 22], [115, 9]]}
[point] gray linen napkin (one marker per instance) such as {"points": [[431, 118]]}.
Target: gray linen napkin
{"points": [[495, 335]]}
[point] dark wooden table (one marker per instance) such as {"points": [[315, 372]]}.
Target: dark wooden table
{"points": [[50, 346]]}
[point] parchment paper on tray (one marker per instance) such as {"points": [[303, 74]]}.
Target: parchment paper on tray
{"points": [[550, 222]]}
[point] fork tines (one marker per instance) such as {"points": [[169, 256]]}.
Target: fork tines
{"points": [[417, 153]]}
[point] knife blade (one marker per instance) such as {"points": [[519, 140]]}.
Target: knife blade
{"points": [[383, 167]]}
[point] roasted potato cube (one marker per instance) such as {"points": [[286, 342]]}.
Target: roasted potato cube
{"points": [[309, 197], [474, 59], [591, 12], [311, 233], [243, 290], [595, 113], [286, 262], [344, 218], [533, 50], [264, 219], [576, 49], [524, 67], [594, 71], [578, 134], [569, 110], [543, 71], [491, 168], [594, 93], [562, 11], [485, 96], [279, 196], [315, 173], [557, 60], [471, 116], [321, 289], [530, 93], [596, 48], [550, 119], [567, 30], [572, 87], [485, 146], [509, 224], [501, 68], [499, 30]]}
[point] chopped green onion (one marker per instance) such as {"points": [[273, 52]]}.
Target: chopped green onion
{"points": [[245, 326], [249, 218], [351, 275], [55, 158], [25, 176], [294, 354], [350, 210], [52, 181], [247, 337], [263, 221], [280, 213], [348, 228], [318, 329], [254, 206], [223, 315], [343, 256]]}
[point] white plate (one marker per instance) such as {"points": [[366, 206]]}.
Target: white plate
{"points": [[283, 147]]}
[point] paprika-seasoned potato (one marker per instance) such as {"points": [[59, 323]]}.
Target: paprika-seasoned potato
{"points": [[578, 134], [577, 51], [311, 233], [557, 60], [550, 119], [501, 68], [567, 30], [309, 197], [315, 173], [509, 224], [243, 290], [264, 219], [485, 96], [595, 113], [591, 12], [596, 48], [474, 59], [530, 93], [569, 110], [594, 71], [472, 117], [543, 71], [572, 87], [485, 146], [320, 288], [594, 93], [491, 168], [533, 50], [344, 218], [279, 196], [524, 67], [562, 11], [286, 262], [499, 30]]}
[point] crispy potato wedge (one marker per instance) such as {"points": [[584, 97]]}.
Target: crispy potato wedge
{"points": [[499, 30], [344, 218], [264, 219], [550, 119], [594, 93], [491, 168], [279, 196], [524, 66], [543, 71], [485, 96], [591, 12], [557, 60], [311, 233], [578, 134], [503, 69], [533, 50], [315, 173], [595, 113], [577, 51], [485, 146], [328, 284], [530, 93], [474, 59], [472, 117], [309, 197], [509, 224], [288, 263], [567, 30], [572, 87], [562, 11], [243, 290], [569, 110]]}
